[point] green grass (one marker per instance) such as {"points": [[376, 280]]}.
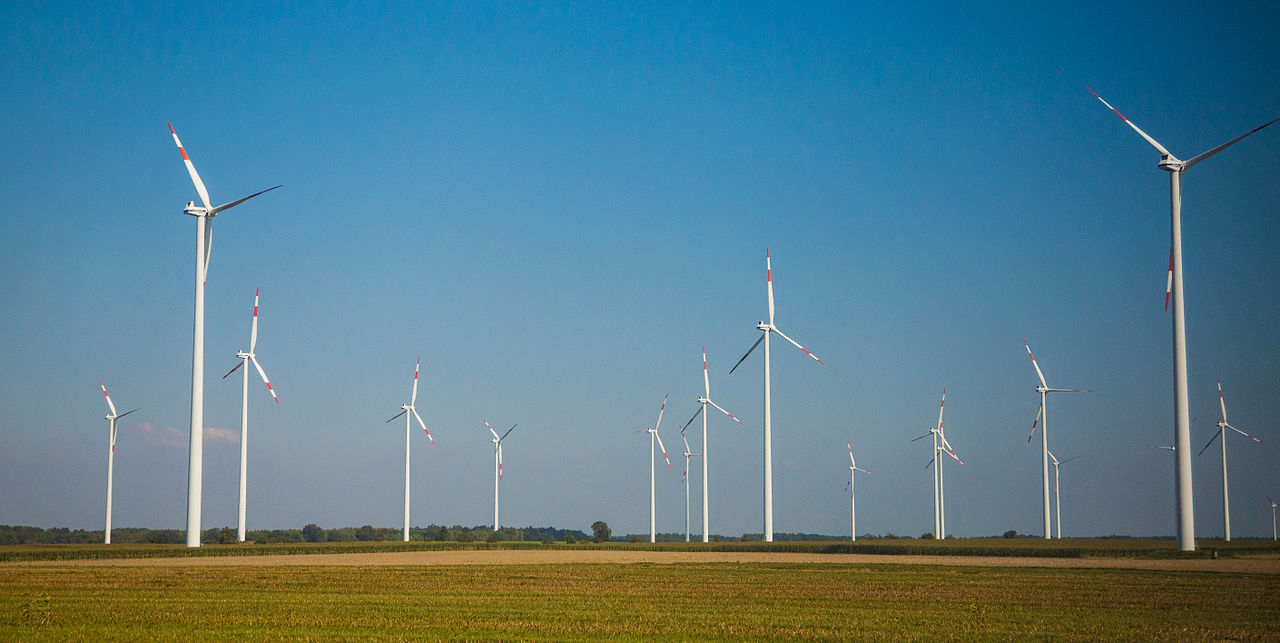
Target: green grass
{"points": [[583, 601], [1066, 548]]}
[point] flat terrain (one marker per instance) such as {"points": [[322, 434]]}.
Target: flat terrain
{"points": [[679, 600], [1262, 564]]}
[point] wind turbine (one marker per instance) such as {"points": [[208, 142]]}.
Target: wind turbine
{"points": [[1042, 417], [1222, 432], [940, 445], [853, 513], [497, 466], [1181, 410], [766, 329], [703, 402], [684, 480], [1273, 517], [1057, 499], [204, 215], [408, 410], [653, 435], [245, 358], [111, 454]]}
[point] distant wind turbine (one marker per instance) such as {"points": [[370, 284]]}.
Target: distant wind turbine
{"points": [[111, 454], [1057, 499], [940, 446], [497, 466], [245, 358], [1042, 416], [204, 215], [1222, 432], [1273, 517], [1182, 427], [703, 402], [653, 435], [766, 329], [684, 480], [853, 511], [408, 410]]}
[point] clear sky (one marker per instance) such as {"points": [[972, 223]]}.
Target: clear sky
{"points": [[557, 205]]}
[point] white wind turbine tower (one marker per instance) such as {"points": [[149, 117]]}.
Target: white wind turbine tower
{"points": [[653, 435], [766, 329], [245, 358], [111, 454], [1273, 517], [853, 512], [940, 446], [1181, 413], [684, 480], [408, 410], [497, 466], [1222, 432], [1042, 416], [1057, 499], [703, 402], [204, 215]]}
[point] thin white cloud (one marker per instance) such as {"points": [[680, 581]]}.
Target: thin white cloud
{"points": [[170, 437]]}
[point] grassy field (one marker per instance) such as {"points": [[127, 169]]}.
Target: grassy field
{"points": [[581, 601], [1039, 547]]}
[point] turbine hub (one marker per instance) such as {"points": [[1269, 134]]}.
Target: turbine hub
{"points": [[763, 326], [703, 400], [1169, 163], [194, 210]]}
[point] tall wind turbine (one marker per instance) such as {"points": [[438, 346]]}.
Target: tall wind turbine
{"points": [[684, 480], [497, 466], [245, 358], [703, 402], [1057, 499], [1042, 416], [408, 410], [853, 512], [1222, 432], [653, 435], [766, 329], [1181, 410], [940, 446], [204, 215], [111, 454]]}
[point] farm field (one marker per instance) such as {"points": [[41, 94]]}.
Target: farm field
{"points": [[597, 601]]}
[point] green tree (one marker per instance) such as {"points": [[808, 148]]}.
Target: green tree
{"points": [[312, 533], [600, 531], [226, 536], [366, 533]]}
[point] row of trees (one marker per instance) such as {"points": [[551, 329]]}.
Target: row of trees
{"points": [[25, 535]]}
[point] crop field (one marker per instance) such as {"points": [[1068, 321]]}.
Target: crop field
{"points": [[606, 601]]}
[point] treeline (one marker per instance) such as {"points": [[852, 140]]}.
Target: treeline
{"points": [[25, 535]]}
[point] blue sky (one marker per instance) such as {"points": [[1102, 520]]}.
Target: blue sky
{"points": [[557, 205]]}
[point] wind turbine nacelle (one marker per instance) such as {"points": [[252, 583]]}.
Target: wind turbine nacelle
{"points": [[1169, 163], [761, 325], [193, 209]]}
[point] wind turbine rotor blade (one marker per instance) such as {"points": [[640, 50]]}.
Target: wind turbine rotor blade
{"points": [[111, 405], [923, 436], [422, 424], [208, 247], [695, 416], [806, 351], [846, 443], [660, 412], [495, 433], [744, 357], [499, 459], [1068, 460], [929, 463], [1033, 363], [414, 398], [1168, 286], [950, 451], [191, 169], [768, 263], [504, 435], [664, 449], [1051, 457], [1039, 411], [253, 334], [1206, 444], [228, 206], [233, 369], [1200, 157], [686, 445], [731, 416], [131, 411], [1228, 426], [1152, 141], [1222, 403], [942, 407], [270, 390], [706, 379], [398, 414]]}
